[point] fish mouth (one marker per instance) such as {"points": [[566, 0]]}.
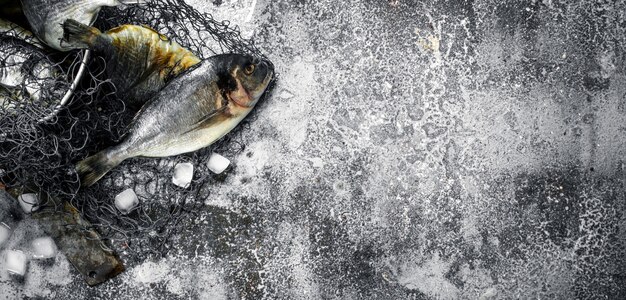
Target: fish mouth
{"points": [[270, 73], [268, 77]]}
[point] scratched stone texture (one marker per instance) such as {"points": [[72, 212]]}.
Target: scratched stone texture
{"points": [[410, 150]]}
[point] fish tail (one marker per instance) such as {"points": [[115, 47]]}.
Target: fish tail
{"points": [[92, 168], [78, 34]]}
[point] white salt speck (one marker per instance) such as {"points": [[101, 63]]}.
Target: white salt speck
{"points": [[317, 162], [150, 272], [28, 201], [217, 163], [490, 293], [5, 233], [174, 286], [251, 13], [285, 94], [15, 262], [43, 248], [183, 173], [126, 201]]}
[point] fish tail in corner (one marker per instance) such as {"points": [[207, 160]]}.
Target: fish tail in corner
{"points": [[79, 35], [92, 168]]}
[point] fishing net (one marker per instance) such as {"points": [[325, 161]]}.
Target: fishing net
{"points": [[41, 155]]}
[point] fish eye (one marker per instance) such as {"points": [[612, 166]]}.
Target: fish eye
{"points": [[249, 69]]}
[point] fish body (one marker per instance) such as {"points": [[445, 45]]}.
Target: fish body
{"points": [[139, 60], [192, 112], [16, 47], [25, 73], [72, 233], [10, 29], [46, 16], [81, 245]]}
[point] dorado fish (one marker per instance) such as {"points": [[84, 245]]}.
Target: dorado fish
{"points": [[140, 61], [46, 16], [190, 113]]}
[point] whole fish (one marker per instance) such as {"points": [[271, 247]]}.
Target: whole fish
{"points": [[139, 60], [46, 16], [190, 113]]}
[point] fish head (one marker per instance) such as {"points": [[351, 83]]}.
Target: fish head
{"points": [[249, 78]]}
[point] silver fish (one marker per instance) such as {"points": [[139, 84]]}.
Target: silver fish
{"points": [[11, 29], [193, 111], [26, 74], [9, 94], [46, 16]]}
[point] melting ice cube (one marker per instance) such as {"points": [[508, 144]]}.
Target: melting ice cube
{"points": [[183, 173], [15, 262], [5, 234], [28, 201], [217, 163], [43, 248], [126, 201]]}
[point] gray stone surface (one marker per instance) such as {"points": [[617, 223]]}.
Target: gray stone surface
{"points": [[411, 150]]}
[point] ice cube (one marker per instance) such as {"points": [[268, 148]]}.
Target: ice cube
{"points": [[217, 163], [126, 201], [15, 262], [44, 247], [5, 233], [183, 173], [28, 201]]}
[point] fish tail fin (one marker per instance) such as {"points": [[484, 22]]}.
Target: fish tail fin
{"points": [[78, 34], [92, 168], [131, 2]]}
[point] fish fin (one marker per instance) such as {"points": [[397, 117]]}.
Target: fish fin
{"points": [[210, 119], [78, 34], [92, 168]]}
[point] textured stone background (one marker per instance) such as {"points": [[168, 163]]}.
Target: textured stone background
{"points": [[411, 150]]}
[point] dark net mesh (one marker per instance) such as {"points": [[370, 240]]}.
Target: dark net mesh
{"points": [[41, 154]]}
